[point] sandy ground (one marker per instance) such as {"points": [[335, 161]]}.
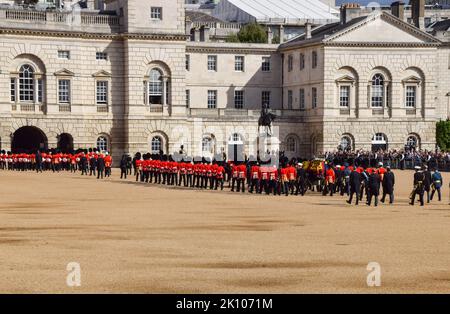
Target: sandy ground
{"points": [[130, 237]]}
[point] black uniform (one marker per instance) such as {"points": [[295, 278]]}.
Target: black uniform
{"points": [[355, 185], [427, 183], [388, 186], [419, 179], [100, 167], [374, 188]]}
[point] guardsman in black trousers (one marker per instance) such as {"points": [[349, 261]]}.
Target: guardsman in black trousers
{"points": [[92, 165], [374, 187], [124, 167], [388, 185], [100, 166], [427, 183], [354, 183], [419, 179]]}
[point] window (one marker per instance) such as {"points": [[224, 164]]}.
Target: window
{"points": [[302, 99], [377, 91], [155, 87], [102, 92], [212, 63], [302, 61], [188, 98], [102, 144], [290, 99], [40, 89], [13, 89], [291, 144], [26, 83], [207, 145], [239, 62], [265, 98], [212, 99], [314, 59], [290, 63], [239, 99], [64, 54], [344, 96], [412, 142], [345, 144], [236, 138], [64, 91], [101, 56], [314, 97], [379, 138], [156, 13], [156, 145], [410, 97], [188, 62], [266, 66]]}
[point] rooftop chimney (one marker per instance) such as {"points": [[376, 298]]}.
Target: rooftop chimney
{"points": [[398, 9], [418, 13], [308, 30], [349, 11]]}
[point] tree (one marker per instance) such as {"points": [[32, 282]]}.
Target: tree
{"points": [[443, 135], [250, 33]]}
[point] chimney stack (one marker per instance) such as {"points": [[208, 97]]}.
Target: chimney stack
{"points": [[349, 11], [307, 30], [398, 9], [418, 13]]}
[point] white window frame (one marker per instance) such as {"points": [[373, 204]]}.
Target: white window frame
{"points": [[266, 97], [212, 63], [239, 99], [156, 13], [239, 63], [101, 56], [411, 104], [302, 99], [348, 87], [314, 97], [67, 93], [266, 65], [212, 99], [99, 82], [64, 54]]}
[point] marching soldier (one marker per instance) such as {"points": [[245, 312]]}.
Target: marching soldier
{"points": [[388, 185], [330, 178], [301, 180], [437, 184], [354, 183], [242, 176], [427, 182], [419, 179], [220, 174], [108, 164], [285, 180], [374, 187], [100, 166], [255, 177]]}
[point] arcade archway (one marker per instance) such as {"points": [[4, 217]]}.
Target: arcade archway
{"points": [[28, 139], [65, 143]]}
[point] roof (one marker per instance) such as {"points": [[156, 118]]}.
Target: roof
{"points": [[325, 32], [440, 26], [196, 16], [320, 33], [263, 10]]}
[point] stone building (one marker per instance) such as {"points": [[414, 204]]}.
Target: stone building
{"points": [[129, 80]]}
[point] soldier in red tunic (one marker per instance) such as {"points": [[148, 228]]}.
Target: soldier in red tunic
{"points": [[254, 178], [220, 175]]}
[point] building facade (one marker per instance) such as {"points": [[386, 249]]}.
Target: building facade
{"points": [[132, 81]]}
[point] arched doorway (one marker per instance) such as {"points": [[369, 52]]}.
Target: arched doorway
{"points": [[28, 139], [236, 148], [65, 143]]}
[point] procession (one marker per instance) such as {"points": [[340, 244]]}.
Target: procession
{"points": [[357, 178]]}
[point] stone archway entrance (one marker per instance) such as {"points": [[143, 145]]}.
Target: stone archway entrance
{"points": [[65, 143], [28, 139]]}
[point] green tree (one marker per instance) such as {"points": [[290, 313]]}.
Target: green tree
{"points": [[250, 33], [443, 135]]}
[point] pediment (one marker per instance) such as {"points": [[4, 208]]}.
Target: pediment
{"points": [[64, 72], [412, 79], [102, 73], [345, 79], [379, 28]]}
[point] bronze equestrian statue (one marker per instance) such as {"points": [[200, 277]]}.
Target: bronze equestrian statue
{"points": [[266, 119]]}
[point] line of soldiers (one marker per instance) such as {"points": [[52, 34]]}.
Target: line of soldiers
{"points": [[291, 177], [92, 162]]}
